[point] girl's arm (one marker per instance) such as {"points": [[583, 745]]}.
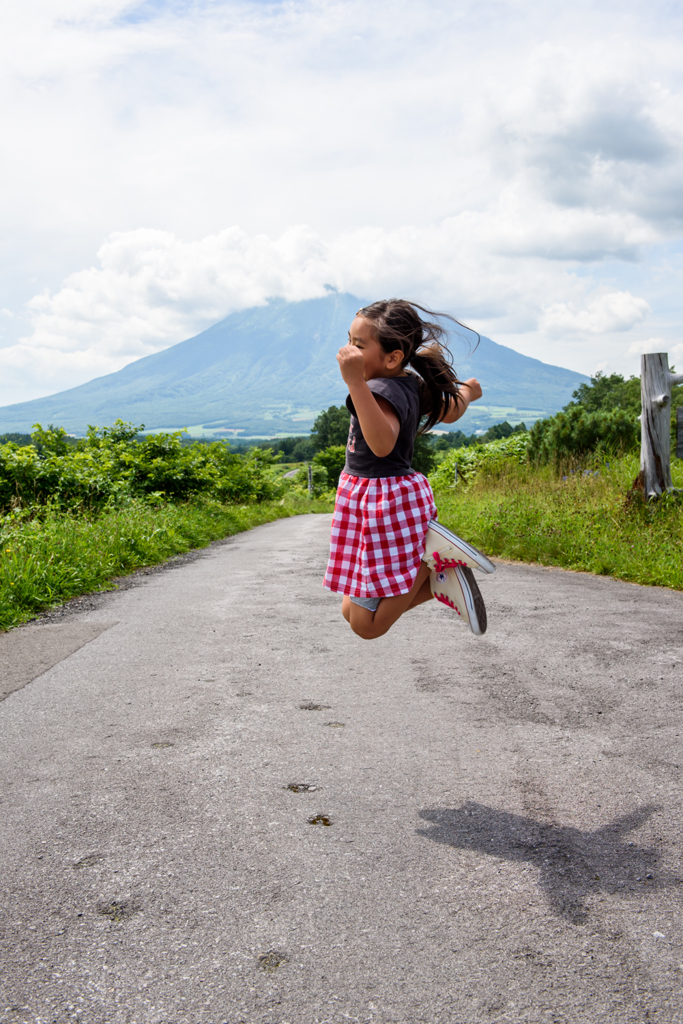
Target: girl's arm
{"points": [[378, 421], [470, 391]]}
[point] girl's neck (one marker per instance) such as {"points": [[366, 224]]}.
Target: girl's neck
{"points": [[386, 376]]}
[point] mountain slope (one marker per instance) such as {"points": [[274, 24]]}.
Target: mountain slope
{"points": [[271, 369]]}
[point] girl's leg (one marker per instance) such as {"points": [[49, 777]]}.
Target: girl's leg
{"points": [[369, 624], [423, 594]]}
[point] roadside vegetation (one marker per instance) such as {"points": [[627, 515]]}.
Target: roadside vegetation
{"points": [[586, 519], [77, 513], [562, 494]]}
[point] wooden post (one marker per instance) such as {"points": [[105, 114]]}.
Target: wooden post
{"points": [[656, 381], [310, 480]]}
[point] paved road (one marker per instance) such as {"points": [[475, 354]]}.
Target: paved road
{"points": [[499, 820]]}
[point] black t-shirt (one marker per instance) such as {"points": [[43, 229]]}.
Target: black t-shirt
{"points": [[403, 394]]}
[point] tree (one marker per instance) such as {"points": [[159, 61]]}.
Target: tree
{"points": [[607, 393], [303, 450], [501, 430], [19, 439], [424, 459], [454, 439], [53, 441], [332, 460], [331, 427]]}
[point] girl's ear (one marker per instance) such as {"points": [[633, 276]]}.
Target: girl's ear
{"points": [[396, 358]]}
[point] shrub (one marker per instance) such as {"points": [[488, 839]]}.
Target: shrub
{"points": [[576, 432], [110, 464], [245, 478], [320, 480], [489, 458], [332, 459]]}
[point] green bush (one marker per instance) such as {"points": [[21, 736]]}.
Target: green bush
{"points": [[320, 480], [113, 463], [490, 458], [75, 513], [332, 459], [577, 432]]}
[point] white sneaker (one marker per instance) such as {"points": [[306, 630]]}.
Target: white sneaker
{"points": [[458, 588], [445, 550]]}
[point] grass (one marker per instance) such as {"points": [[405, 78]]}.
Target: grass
{"points": [[585, 520], [45, 561]]}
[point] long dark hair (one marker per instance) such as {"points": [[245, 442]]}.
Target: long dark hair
{"points": [[398, 324]]}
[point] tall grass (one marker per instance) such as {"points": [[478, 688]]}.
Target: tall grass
{"points": [[47, 559], [585, 519]]}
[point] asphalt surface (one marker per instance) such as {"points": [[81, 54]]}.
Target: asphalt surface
{"points": [[492, 829]]}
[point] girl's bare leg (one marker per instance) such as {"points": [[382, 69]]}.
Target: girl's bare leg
{"points": [[369, 624], [423, 594]]}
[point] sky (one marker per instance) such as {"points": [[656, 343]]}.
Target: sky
{"points": [[167, 162]]}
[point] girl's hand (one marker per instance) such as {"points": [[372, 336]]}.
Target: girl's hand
{"points": [[351, 364], [474, 386]]}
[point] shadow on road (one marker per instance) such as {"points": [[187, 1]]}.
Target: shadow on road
{"points": [[571, 863]]}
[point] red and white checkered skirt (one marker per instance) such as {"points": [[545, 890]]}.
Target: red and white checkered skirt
{"points": [[378, 534]]}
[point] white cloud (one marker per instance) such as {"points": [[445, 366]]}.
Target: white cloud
{"points": [[517, 162], [612, 311], [648, 345], [151, 289], [639, 348], [592, 131]]}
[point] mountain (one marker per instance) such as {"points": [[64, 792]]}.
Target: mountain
{"points": [[269, 370]]}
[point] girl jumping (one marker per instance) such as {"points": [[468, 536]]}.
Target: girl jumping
{"points": [[387, 552]]}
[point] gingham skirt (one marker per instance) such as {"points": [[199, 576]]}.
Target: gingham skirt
{"points": [[378, 534]]}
